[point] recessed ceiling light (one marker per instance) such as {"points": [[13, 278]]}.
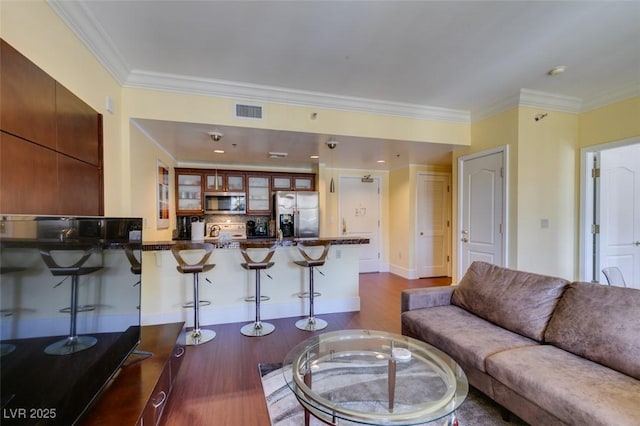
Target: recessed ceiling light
{"points": [[380, 161], [557, 70], [315, 157], [218, 151]]}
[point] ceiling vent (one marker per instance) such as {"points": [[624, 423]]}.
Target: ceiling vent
{"points": [[277, 155], [249, 111]]}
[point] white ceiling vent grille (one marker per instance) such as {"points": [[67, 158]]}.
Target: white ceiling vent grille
{"points": [[249, 111]]}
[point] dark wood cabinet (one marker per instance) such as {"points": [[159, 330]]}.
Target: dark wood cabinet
{"points": [[140, 392], [51, 144], [28, 177], [28, 98], [78, 128]]}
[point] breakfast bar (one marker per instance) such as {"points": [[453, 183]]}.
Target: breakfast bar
{"points": [[227, 285]]}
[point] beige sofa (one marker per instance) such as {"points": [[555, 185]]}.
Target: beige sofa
{"points": [[547, 350]]}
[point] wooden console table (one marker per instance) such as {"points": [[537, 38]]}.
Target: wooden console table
{"points": [[139, 393]]}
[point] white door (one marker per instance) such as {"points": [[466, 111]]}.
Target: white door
{"points": [[620, 212], [359, 212], [432, 241], [481, 210]]}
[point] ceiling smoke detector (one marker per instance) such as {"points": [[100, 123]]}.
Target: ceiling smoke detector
{"points": [[215, 136]]}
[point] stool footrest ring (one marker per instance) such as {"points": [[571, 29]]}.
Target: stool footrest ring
{"points": [[307, 295], [81, 308], [253, 298], [201, 303]]}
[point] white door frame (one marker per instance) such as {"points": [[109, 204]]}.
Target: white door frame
{"points": [[504, 149], [587, 246], [448, 218], [378, 232]]}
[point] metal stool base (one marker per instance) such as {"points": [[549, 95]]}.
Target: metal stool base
{"points": [[70, 345], [257, 329], [311, 324], [198, 337]]}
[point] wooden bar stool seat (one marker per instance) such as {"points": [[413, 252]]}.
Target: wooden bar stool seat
{"points": [[311, 323], [257, 328], [197, 336]]}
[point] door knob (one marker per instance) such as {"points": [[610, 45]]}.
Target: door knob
{"points": [[636, 243], [422, 233], [464, 232], [465, 240]]}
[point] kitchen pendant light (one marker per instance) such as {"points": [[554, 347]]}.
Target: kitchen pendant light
{"points": [[332, 145]]}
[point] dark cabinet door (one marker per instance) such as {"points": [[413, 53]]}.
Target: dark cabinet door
{"points": [[28, 173], [78, 188], [78, 127], [27, 97]]}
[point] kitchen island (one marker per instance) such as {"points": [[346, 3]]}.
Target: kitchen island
{"points": [[165, 290]]}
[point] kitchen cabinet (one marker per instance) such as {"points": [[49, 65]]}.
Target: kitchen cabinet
{"points": [[51, 148], [258, 194], [281, 183], [304, 183], [28, 99], [189, 192], [227, 181], [78, 128]]}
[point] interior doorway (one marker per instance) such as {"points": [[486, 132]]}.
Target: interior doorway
{"points": [[482, 210], [359, 213], [433, 225], [610, 211]]}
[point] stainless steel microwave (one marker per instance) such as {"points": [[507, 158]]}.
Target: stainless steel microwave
{"points": [[225, 203]]}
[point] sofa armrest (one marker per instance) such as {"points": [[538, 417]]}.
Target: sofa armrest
{"points": [[417, 298]]}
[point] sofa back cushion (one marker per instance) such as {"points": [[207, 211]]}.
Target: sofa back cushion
{"points": [[600, 323], [518, 301]]}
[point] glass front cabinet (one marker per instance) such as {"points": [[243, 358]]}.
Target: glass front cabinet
{"points": [[258, 197], [189, 193], [224, 182]]}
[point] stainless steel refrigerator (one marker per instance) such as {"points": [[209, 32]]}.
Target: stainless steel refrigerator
{"points": [[297, 213]]}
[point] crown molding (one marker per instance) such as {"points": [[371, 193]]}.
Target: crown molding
{"points": [[261, 93], [531, 99], [550, 101], [625, 92], [84, 25]]}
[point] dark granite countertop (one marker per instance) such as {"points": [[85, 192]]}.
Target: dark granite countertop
{"points": [[258, 242]]}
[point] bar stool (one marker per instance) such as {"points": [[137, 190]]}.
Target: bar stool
{"points": [[73, 343], [197, 336], [311, 323], [258, 328]]}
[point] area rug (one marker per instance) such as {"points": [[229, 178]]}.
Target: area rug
{"points": [[285, 410]]}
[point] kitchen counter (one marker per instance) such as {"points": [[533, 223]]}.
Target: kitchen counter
{"points": [[165, 290], [261, 242]]}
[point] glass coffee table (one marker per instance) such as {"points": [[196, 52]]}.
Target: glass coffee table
{"points": [[374, 378]]}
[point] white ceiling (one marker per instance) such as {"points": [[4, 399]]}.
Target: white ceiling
{"points": [[454, 58]]}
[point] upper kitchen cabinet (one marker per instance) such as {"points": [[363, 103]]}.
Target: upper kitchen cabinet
{"points": [[51, 146], [78, 127], [293, 182], [304, 182], [225, 181], [258, 194], [189, 192], [28, 99]]}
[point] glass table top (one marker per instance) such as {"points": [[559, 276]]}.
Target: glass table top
{"points": [[374, 377]]}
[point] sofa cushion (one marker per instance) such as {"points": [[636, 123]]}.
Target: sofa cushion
{"points": [[518, 301], [574, 389], [600, 323], [463, 336]]}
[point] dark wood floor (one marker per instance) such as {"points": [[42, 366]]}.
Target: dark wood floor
{"points": [[219, 384]]}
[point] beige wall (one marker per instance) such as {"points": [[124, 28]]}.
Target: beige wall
{"points": [[610, 123]]}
